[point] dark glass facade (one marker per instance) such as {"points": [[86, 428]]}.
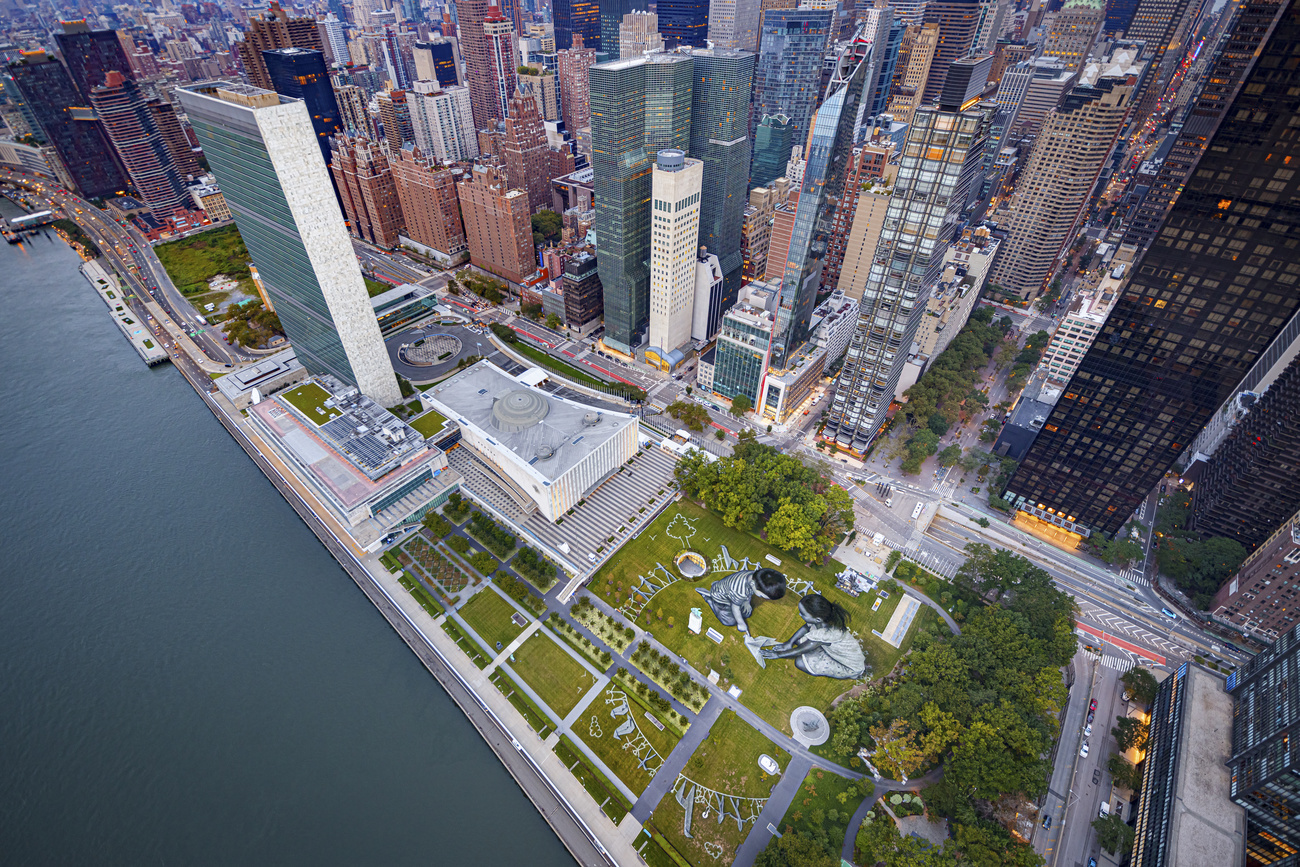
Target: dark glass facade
{"points": [[583, 299], [576, 16], [1252, 484], [1265, 761], [90, 55], [720, 92], [1160, 772], [683, 22], [69, 125], [1213, 290], [772, 142], [638, 106], [301, 74]]}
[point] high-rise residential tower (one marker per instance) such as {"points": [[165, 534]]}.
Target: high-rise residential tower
{"points": [[788, 75], [274, 30], [442, 121], [131, 127], [67, 123], [674, 228], [720, 89], [487, 44], [262, 148], [575, 86], [300, 73], [1211, 293], [638, 107], [1073, 30], [830, 148], [366, 186], [498, 225], [913, 70], [941, 158], [526, 152], [958, 22], [639, 34], [1163, 25], [430, 207], [90, 55], [1057, 182]]}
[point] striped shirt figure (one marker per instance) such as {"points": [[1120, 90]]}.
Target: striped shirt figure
{"points": [[731, 598]]}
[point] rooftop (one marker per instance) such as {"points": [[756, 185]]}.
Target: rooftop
{"points": [[374, 440], [548, 433]]}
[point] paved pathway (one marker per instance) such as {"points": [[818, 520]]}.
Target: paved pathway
{"points": [[672, 766], [851, 833], [773, 811]]}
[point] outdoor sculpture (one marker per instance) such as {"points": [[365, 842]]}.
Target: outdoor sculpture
{"points": [[731, 598], [823, 646]]}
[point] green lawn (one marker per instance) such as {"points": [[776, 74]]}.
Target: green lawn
{"points": [[428, 424], [309, 399], [553, 363], [376, 287], [726, 762], [817, 807], [191, 262], [522, 703], [552, 673], [772, 692], [624, 755], [489, 615], [613, 802]]}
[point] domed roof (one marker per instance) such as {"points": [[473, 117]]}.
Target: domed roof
{"points": [[519, 409]]}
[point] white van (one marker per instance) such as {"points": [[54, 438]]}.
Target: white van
{"points": [[877, 539], [1105, 809]]}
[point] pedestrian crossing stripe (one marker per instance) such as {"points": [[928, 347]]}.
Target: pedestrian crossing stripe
{"points": [[1119, 663]]}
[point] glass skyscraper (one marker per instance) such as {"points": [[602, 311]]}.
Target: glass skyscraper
{"points": [[300, 73], [720, 91], [638, 106], [1217, 284], [830, 146], [941, 158], [262, 148], [683, 22], [771, 149], [791, 53]]}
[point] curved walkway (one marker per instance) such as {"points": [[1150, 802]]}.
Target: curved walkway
{"points": [[926, 600]]}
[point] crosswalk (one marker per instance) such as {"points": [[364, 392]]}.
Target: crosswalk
{"points": [[1135, 576], [1119, 663]]}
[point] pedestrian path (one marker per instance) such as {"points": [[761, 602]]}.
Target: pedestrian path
{"points": [[773, 811], [1119, 663], [1135, 576]]}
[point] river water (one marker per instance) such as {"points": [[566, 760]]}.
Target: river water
{"points": [[186, 675]]}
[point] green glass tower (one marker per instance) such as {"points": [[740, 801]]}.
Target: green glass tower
{"points": [[638, 107], [263, 150], [721, 84], [772, 141]]}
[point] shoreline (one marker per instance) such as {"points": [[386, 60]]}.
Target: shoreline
{"points": [[511, 743]]}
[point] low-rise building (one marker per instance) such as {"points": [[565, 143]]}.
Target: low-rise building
{"points": [[785, 390], [1260, 599], [210, 200], [402, 305], [371, 470], [583, 298], [545, 450], [966, 268], [833, 324], [273, 373]]}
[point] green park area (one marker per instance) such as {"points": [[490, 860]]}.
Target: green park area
{"points": [[823, 806], [191, 262], [489, 615], [620, 730], [309, 399], [724, 789], [428, 424], [556, 677], [773, 691]]}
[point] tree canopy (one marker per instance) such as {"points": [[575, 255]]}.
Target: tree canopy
{"points": [[800, 507], [1141, 684]]}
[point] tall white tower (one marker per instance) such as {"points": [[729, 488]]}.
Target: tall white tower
{"points": [[674, 236]]}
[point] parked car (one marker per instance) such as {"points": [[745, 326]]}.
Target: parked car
{"points": [[1047, 821], [1087, 730], [1083, 750], [1092, 705]]}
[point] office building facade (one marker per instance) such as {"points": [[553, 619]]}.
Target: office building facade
{"points": [[788, 75], [638, 107], [1191, 322], [276, 29], [684, 22], [1057, 182], [300, 73], [675, 225], [426, 192], [90, 55], [720, 89], [498, 225], [733, 24], [576, 17], [830, 150], [742, 352], [262, 149], [1265, 763], [772, 142]]}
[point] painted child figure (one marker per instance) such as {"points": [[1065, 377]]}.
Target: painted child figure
{"points": [[823, 646], [731, 598]]}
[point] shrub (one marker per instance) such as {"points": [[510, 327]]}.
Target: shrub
{"points": [[494, 537], [459, 544]]}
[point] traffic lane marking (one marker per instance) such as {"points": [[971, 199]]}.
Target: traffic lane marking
{"points": [[1121, 643]]}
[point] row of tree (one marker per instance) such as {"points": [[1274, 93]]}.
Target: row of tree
{"points": [[799, 507]]}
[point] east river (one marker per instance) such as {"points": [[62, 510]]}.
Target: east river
{"points": [[186, 675]]}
